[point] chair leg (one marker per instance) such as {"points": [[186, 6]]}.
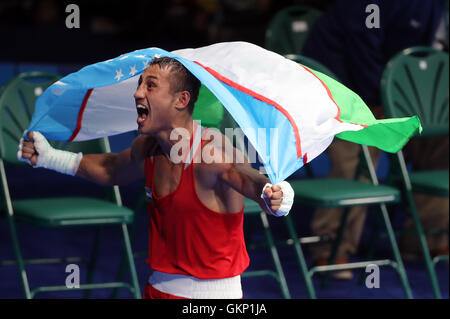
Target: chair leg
{"points": [[92, 261], [130, 258], [121, 272], [19, 259], [132, 231], [335, 245], [119, 276], [400, 267], [424, 246], [300, 257], [371, 246], [418, 225], [275, 257]]}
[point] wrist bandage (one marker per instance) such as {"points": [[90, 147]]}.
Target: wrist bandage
{"points": [[287, 199], [61, 161]]}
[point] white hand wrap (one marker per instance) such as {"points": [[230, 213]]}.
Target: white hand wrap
{"points": [[61, 161], [287, 201]]}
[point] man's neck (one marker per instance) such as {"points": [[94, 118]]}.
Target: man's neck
{"points": [[163, 137]]}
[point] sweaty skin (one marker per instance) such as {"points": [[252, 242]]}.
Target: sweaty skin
{"points": [[220, 186]]}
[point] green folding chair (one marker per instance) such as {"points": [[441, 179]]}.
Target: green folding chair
{"points": [[337, 192], [333, 192], [415, 82], [289, 28], [17, 102]]}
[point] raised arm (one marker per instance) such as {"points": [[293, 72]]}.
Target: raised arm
{"points": [[107, 169]]}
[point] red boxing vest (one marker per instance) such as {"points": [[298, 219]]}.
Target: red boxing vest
{"points": [[186, 237]]}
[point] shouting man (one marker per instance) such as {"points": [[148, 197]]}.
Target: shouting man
{"points": [[196, 241]]}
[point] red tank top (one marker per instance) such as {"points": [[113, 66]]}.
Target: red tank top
{"points": [[186, 237]]}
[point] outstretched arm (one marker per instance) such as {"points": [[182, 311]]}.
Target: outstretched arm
{"points": [[107, 169], [111, 169]]}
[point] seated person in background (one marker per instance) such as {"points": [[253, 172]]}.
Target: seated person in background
{"points": [[357, 54]]}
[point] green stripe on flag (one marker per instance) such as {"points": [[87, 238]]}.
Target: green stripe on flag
{"points": [[389, 135]]}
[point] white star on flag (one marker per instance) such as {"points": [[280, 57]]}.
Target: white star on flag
{"points": [[123, 58], [145, 64], [107, 61], [119, 74], [157, 56], [139, 56], [133, 70]]}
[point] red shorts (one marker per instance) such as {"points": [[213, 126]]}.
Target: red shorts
{"points": [[152, 293]]}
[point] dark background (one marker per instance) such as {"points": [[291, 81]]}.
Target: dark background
{"points": [[35, 30]]}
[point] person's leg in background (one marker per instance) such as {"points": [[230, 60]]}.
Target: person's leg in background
{"points": [[429, 154], [344, 157]]}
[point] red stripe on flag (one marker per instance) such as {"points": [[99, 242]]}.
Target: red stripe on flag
{"points": [[80, 115], [328, 92], [261, 98]]}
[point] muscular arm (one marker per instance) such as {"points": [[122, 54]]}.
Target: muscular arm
{"points": [[110, 169], [250, 183], [107, 169], [243, 178], [116, 168]]}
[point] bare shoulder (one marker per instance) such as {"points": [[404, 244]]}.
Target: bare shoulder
{"points": [[221, 169], [141, 147], [219, 155]]}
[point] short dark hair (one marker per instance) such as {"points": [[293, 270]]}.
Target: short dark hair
{"points": [[182, 80]]}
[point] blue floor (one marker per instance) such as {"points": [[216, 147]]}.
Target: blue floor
{"points": [[48, 242]]}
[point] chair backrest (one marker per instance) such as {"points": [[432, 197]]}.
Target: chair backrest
{"points": [[289, 28], [17, 101], [415, 82], [311, 63]]}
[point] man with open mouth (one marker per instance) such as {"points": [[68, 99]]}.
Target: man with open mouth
{"points": [[196, 241]]}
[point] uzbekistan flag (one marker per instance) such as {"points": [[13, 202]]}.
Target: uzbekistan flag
{"points": [[259, 89]]}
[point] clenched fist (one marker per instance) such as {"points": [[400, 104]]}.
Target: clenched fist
{"points": [[36, 151], [27, 150], [279, 198]]}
